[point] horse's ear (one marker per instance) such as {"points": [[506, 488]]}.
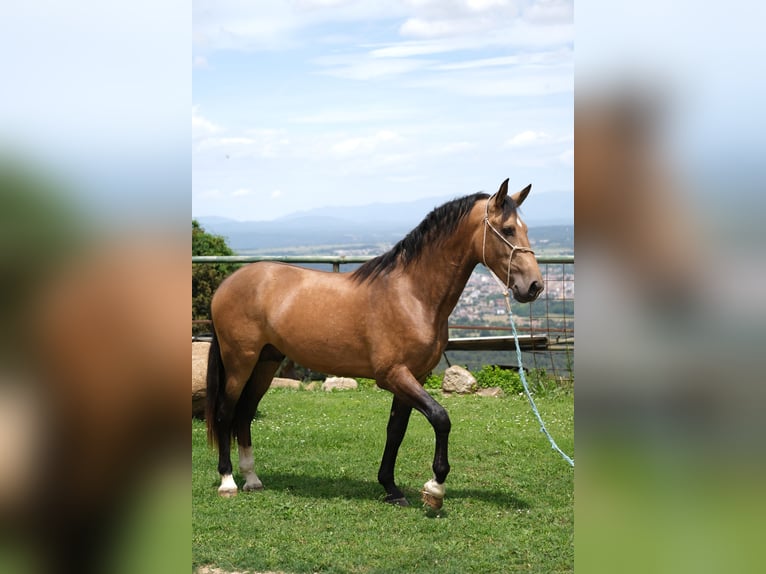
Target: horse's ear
{"points": [[501, 195], [518, 198]]}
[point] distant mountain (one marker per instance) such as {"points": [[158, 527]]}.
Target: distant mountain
{"points": [[407, 214], [371, 223], [548, 208]]}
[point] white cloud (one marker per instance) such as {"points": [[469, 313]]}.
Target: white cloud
{"points": [[531, 138], [482, 5], [277, 24], [536, 59], [354, 116], [202, 126], [247, 26], [364, 145], [231, 141], [423, 28], [362, 67], [549, 11], [528, 138], [277, 193], [454, 148], [501, 82], [260, 143], [241, 26], [413, 48], [242, 192]]}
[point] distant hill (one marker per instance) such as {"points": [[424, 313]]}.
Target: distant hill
{"points": [[371, 223], [298, 231], [549, 208]]}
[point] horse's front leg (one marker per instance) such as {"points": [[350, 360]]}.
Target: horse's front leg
{"points": [[405, 387]]}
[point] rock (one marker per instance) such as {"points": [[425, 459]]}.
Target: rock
{"points": [[312, 386], [283, 383], [199, 377], [458, 380], [339, 383], [491, 392]]}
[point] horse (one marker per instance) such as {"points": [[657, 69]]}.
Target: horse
{"points": [[387, 321]]}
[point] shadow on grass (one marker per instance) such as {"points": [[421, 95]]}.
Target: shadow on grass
{"points": [[309, 486]]}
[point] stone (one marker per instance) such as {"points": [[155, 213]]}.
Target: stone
{"points": [[200, 351], [491, 392], [458, 380], [284, 383], [339, 383]]}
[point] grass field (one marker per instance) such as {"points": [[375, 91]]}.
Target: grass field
{"points": [[508, 508]]}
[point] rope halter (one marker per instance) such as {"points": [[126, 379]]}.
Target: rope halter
{"points": [[514, 248]]}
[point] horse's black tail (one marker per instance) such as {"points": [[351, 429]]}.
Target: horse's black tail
{"points": [[216, 387]]}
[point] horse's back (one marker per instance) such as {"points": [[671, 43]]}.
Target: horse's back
{"points": [[276, 286]]}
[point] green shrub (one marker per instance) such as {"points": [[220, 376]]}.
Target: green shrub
{"points": [[494, 376], [540, 383], [365, 383], [434, 381]]}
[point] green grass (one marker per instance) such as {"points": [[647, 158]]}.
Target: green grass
{"points": [[508, 507]]}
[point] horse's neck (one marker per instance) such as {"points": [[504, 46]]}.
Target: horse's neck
{"points": [[441, 272]]}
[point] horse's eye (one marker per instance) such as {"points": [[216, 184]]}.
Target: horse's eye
{"points": [[510, 231]]}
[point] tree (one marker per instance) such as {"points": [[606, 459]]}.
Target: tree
{"points": [[206, 277]]}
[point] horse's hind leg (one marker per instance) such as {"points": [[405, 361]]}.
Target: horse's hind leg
{"points": [[257, 386], [239, 370], [397, 427]]}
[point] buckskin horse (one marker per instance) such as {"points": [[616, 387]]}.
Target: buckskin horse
{"points": [[387, 320]]}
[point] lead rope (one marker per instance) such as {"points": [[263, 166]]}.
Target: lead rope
{"points": [[506, 295], [526, 386]]}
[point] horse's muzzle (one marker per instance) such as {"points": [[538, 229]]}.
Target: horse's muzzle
{"points": [[532, 292], [535, 288]]}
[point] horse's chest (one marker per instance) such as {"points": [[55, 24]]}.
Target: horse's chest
{"points": [[422, 353]]}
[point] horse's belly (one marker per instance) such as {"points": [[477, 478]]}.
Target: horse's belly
{"points": [[330, 357], [330, 345]]}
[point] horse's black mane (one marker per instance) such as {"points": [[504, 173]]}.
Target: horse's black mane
{"points": [[437, 226]]}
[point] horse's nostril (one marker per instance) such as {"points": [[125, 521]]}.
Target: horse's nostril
{"points": [[535, 288]]}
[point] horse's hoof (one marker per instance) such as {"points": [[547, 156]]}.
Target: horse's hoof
{"points": [[227, 492], [431, 500], [433, 494], [253, 487], [401, 501]]}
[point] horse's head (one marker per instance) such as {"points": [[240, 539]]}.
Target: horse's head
{"points": [[505, 247]]}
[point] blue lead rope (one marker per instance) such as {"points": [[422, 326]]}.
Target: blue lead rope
{"points": [[526, 387]]}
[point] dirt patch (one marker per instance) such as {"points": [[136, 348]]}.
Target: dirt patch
{"points": [[214, 570]]}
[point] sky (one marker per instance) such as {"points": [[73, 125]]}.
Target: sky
{"points": [[311, 103]]}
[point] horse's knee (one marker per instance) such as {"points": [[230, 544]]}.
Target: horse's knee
{"points": [[440, 421]]}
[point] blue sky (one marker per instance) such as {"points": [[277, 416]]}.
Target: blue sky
{"points": [[306, 103]]}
